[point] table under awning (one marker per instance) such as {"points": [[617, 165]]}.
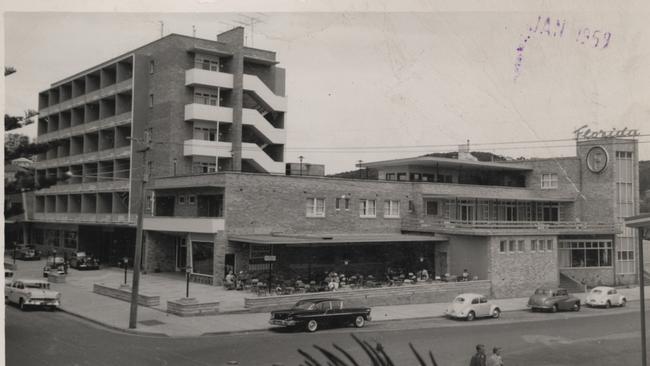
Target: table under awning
{"points": [[336, 239]]}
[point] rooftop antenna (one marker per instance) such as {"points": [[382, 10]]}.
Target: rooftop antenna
{"points": [[194, 31], [250, 21], [162, 28]]}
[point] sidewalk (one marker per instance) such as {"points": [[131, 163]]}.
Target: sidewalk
{"points": [[78, 299]]}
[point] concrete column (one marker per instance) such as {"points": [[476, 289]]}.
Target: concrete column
{"points": [[235, 38], [220, 243]]}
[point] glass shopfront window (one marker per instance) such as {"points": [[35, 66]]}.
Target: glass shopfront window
{"points": [[581, 254], [203, 257]]}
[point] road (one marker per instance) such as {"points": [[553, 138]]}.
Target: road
{"points": [[590, 337]]}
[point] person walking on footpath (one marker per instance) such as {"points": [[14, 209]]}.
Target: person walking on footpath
{"points": [[479, 358], [495, 358]]}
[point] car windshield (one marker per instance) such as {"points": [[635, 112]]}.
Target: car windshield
{"points": [[596, 291], [40, 285], [459, 300], [304, 305], [541, 291]]}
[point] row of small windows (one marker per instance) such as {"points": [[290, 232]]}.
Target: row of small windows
{"points": [[519, 245], [190, 199], [417, 177], [367, 207]]}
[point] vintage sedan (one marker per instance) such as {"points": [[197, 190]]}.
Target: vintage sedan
{"points": [[605, 296], [27, 253], [313, 313], [553, 299], [82, 261], [27, 292], [472, 306]]}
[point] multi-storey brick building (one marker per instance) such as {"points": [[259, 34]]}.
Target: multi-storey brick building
{"points": [[207, 106], [218, 198]]}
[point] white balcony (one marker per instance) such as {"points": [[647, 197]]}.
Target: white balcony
{"points": [[206, 225], [251, 117], [220, 149], [200, 77]]}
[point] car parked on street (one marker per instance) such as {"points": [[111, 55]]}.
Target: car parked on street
{"points": [[28, 292], [471, 306], [82, 261], [47, 270], [553, 299], [313, 313], [605, 296], [27, 253]]}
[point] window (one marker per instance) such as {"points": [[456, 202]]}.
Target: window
{"points": [[520, 245], [580, 254], [181, 199], [347, 204], [533, 245], [367, 208], [503, 246], [624, 154], [70, 239], [191, 199], [549, 245], [150, 100], [210, 205], [401, 176], [475, 301], [549, 181], [315, 207], [511, 246], [416, 177], [152, 65], [391, 208], [206, 97], [411, 206], [207, 134], [483, 300], [431, 208], [337, 204], [204, 168], [390, 176]]}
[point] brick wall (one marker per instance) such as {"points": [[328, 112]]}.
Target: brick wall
{"points": [[160, 252], [518, 274], [591, 276]]}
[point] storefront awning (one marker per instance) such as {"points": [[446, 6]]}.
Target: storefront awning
{"points": [[337, 239]]}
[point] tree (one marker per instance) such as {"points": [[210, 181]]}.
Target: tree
{"points": [[14, 122]]}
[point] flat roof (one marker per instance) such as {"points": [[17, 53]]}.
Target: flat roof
{"points": [[338, 239], [435, 161]]}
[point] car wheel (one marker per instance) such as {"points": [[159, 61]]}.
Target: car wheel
{"points": [[608, 305], [576, 306], [496, 314], [554, 308], [623, 301], [312, 326], [359, 321], [21, 304], [471, 316]]}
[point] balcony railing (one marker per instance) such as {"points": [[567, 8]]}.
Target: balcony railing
{"points": [[540, 226]]}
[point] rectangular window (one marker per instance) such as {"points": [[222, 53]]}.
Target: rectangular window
{"points": [[401, 176], [503, 246], [391, 208], [347, 204], [70, 239], [431, 208], [520, 245], [152, 65], [204, 168], [580, 254], [549, 181], [191, 199], [315, 207], [150, 100], [337, 204], [511, 246], [549, 245], [390, 176], [533, 245], [181, 199], [367, 208]]}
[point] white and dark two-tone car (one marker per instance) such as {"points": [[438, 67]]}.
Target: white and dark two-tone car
{"points": [[472, 306], [605, 296], [26, 293]]}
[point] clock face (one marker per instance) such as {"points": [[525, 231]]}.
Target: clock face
{"points": [[597, 159]]}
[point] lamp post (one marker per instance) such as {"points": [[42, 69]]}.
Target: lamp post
{"points": [[188, 271], [300, 158], [126, 262]]}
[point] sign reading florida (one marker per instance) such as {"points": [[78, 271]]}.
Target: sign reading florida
{"points": [[585, 132]]}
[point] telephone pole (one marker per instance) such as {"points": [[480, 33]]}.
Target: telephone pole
{"points": [[133, 315]]}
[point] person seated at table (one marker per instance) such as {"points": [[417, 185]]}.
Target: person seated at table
{"points": [[465, 275], [241, 280], [230, 281], [424, 274]]}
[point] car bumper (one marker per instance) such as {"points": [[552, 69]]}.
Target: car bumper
{"points": [[284, 323], [42, 302], [593, 302], [537, 306]]}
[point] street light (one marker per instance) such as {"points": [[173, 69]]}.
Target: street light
{"points": [[188, 271]]}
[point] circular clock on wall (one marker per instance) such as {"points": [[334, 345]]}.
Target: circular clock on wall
{"points": [[597, 159]]}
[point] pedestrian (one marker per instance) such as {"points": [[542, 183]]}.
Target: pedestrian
{"points": [[479, 358], [465, 275], [495, 357]]}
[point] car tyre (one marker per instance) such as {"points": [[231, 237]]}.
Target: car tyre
{"points": [[21, 304], [471, 316], [608, 304], [312, 326], [576, 306], [359, 321], [623, 302], [554, 308], [496, 314]]}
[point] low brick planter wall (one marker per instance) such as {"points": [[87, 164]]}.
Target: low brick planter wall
{"points": [[56, 278], [397, 295], [125, 294], [191, 307]]}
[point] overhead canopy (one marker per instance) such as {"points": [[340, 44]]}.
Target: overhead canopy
{"points": [[274, 239], [434, 161], [642, 220]]}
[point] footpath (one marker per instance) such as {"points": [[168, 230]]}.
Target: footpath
{"points": [[77, 298]]}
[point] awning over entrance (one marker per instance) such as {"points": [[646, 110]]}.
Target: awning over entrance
{"points": [[337, 239]]}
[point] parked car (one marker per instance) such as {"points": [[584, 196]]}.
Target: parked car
{"points": [[605, 296], [27, 292], [27, 252], [553, 299], [82, 261], [472, 306], [313, 313], [9, 275], [55, 261], [48, 269]]}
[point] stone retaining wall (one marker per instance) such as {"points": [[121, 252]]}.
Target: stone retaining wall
{"points": [[125, 294], [397, 295]]}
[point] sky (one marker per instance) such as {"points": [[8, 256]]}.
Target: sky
{"points": [[382, 85]]}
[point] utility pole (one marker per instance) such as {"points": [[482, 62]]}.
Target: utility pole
{"points": [[301, 157], [133, 315], [644, 357]]}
